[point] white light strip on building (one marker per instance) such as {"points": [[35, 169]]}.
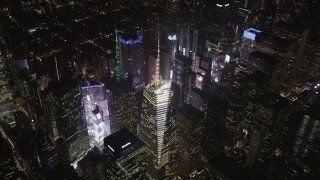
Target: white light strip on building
{"points": [[110, 148], [126, 145]]}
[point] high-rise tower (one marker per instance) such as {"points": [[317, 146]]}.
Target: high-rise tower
{"points": [[181, 76], [96, 113], [132, 58], [118, 65], [122, 106], [153, 126], [64, 108], [190, 128], [7, 107]]}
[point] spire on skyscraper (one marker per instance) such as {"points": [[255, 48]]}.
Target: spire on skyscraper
{"points": [[157, 77]]}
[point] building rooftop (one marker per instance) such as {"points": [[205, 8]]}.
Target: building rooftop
{"points": [[241, 76], [273, 101], [190, 112], [120, 86], [152, 88], [259, 77], [93, 157], [121, 143], [229, 168], [276, 41], [265, 57], [62, 87], [291, 27]]}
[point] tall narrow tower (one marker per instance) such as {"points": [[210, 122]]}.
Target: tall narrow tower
{"points": [[154, 123], [118, 65], [157, 76]]}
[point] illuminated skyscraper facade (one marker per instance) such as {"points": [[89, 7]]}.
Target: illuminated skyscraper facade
{"points": [[183, 35], [152, 127], [64, 108], [266, 120], [7, 106], [118, 64], [314, 73], [46, 151], [190, 128], [125, 156], [248, 38], [297, 63], [181, 76], [306, 144], [96, 113], [132, 58], [122, 106]]}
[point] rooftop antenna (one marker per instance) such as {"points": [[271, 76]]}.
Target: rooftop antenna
{"points": [[157, 78]]}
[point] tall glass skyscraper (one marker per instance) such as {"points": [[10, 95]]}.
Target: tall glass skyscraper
{"points": [[153, 125], [96, 113], [64, 107], [132, 58]]}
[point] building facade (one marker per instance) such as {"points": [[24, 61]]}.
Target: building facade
{"points": [[125, 156], [64, 109]]}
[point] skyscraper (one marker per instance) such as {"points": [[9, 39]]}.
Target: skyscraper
{"points": [[153, 126], [118, 69], [183, 35], [181, 76], [96, 113], [63, 152], [190, 128], [46, 151], [267, 120], [248, 38], [125, 156], [64, 108], [197, 98], [7, 106], [296, 65], [307, 138], [92, 166], [122, 106], [132, 58]]}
